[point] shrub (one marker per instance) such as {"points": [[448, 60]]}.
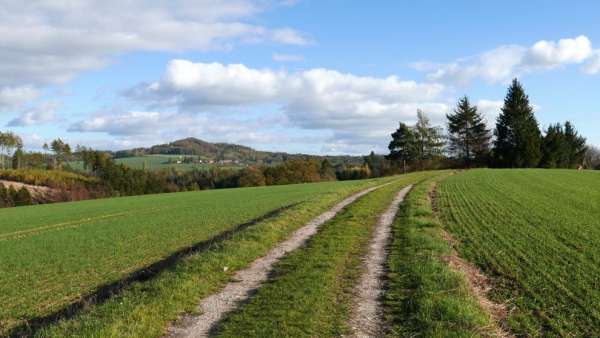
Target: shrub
{"points": [[22, 197]]}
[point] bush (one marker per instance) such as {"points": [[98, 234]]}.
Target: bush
{"points": [[4, 197], [22, 197]]}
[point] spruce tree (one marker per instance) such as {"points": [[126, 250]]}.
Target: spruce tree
{"points": [[576, 147], [403, 146], [469, 136], [554, 150], [518, 137]]}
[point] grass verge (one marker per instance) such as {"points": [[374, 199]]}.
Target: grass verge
{"points": [[145, 309], [425, 298], [310, 290]]}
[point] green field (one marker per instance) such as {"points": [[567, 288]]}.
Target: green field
{"points": [[58, 253], [537, 234], [310, 291], [425, 297]]}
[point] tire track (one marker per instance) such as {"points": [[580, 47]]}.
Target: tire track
{"points": [[366, 319], [214, 307]]}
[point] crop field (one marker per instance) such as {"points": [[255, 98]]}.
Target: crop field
{"points": [[537, 234], [52, 255], [425, 297], [533, 233]]}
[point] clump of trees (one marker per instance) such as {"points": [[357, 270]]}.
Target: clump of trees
{"points": [[517, 141], [9, 142], [419, 146], [591, 159], [14, 198]]}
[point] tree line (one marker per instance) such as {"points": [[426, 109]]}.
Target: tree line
{"points": [[516, 141]]}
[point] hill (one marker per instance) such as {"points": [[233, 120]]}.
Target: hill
{"points": [[227, 152]]}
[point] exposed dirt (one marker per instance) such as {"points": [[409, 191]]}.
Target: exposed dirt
{"points": [[245, 281], [38, 193], [366, 319]]}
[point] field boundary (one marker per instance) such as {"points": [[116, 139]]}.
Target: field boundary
{"points": [[215, 306], [104, 292], [479, 284]]}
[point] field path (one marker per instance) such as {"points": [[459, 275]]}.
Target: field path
{"points": [[366, 319], [245, 281]]}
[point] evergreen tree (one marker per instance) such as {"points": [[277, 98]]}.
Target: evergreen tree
{"points": [[575, 145], [11, 196], [3, 196], [554, 150], [518, 137], [403, 146], [377, 164], [469, 137], [22, 197]]}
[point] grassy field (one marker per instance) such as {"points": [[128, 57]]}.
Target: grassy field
{"points": [[310, 291], [161, 162], [58, 253], [537, 233], [424, 296]]}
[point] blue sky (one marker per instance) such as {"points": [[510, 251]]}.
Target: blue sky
{"points": [[299, 76]]}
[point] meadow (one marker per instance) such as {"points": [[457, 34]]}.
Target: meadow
{"points": [[53, 255], [535, 233]]}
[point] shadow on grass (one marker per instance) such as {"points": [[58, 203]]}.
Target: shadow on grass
{"points": [[106, 291]]}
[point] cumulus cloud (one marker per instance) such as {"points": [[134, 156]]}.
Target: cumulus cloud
{"points": [[490, 110], [50, 42], [35, 115], [505, 62], [14, 97], [152, 127], [351, 110], [592, 66], [313, 99]]}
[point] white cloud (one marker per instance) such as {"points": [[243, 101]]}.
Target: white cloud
{"points": [[314, 99], [143, 128], [50, 42], [14, 97], [287, 57], [290, 36], [505, 62], [592, 66], [35, 115], [490, 110]]}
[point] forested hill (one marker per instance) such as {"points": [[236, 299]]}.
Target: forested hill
{"points": [[227, 151]]}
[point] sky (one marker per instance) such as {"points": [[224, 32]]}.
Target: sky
{"points": [[318, 77]]}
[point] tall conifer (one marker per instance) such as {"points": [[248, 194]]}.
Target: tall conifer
{"points": [[469, 136], [518, 137]]}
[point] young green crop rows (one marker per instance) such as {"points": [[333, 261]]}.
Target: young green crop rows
{"points": [[425, 297], [537, 233], [534, 232], [51, 255]]}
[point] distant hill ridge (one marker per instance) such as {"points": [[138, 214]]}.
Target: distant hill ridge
{"points": [[226, 151]]}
